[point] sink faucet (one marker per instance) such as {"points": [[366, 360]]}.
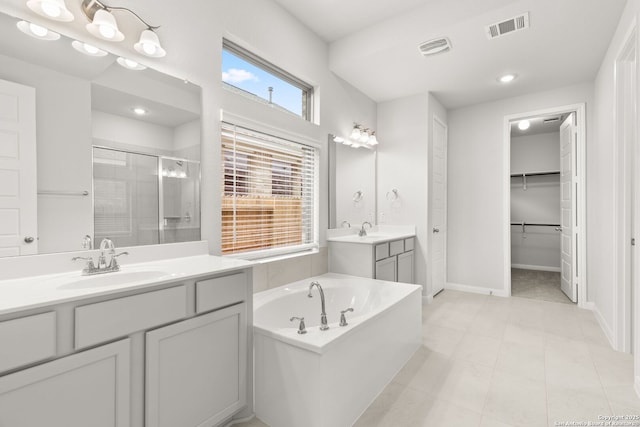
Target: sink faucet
{"points": [[363, 231], [102, 267], [323, 316]]}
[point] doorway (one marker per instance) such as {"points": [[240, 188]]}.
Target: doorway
{"points": [[438, 206], [545, 204], [627, 200]]}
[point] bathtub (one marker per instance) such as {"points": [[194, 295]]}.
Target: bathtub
{"points": [[328, 378]]}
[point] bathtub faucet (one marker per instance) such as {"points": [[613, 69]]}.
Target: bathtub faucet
{"points": [[323, 316]]}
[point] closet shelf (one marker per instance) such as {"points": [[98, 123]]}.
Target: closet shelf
{"points": [[536, 224]]}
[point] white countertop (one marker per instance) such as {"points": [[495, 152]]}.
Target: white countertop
{"points": [[43, 290], [375, 235]]}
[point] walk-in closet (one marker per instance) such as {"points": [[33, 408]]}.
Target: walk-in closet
{"points": [[540, 207]]}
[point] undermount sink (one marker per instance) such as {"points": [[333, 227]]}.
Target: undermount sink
{"points": [[117, 278]]}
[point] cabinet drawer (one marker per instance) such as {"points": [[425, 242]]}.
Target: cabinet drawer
{"points": [[220, 292], [396, 247], [382, 251], [27, 340], [107, 320], [409, 244]]}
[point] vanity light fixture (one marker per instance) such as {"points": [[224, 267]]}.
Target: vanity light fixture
{"points": [[338, 139], [87, 49], [37, 31], [130, 64], [103, 24], [360, 137], [51, 9], [524, 124]]}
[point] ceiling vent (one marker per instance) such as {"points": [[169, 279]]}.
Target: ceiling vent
{"points": [[511, 25], [551, 119], [435, 46]]}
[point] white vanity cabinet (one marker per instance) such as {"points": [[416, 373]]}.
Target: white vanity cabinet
{"points": [[172, 354], [89, 388], [390, 259], [195, 372]]}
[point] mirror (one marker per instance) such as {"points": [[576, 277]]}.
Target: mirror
{"points": [[352, 185], [103, 169]]}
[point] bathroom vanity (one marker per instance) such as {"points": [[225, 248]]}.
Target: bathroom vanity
{"points": [[157, 344], [384, 253]]}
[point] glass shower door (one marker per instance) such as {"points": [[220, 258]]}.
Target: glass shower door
{"points": [[126, 197]]}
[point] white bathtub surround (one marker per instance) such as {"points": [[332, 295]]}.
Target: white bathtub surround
{"points": [[268, 274], [328, 378]]}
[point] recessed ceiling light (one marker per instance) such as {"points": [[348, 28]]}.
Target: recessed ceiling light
{"points": [[507, 78], [140, 111], [523, 124]]}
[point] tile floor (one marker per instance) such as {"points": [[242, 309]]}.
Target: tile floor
{"points": [[542, 285], [498, 362]]}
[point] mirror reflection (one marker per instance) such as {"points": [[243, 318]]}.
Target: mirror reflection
{"points": [[352, 189], [115, 152]]}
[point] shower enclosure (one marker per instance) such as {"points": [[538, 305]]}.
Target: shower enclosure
{"points": [[144, 199]]}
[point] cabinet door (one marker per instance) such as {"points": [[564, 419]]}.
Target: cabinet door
{"points": [[405, 267], [196, 370], [386, 269], [90, 388]]}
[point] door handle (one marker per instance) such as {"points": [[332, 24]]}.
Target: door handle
{"points": [[558, 228], [436, 230], [29, 239]]}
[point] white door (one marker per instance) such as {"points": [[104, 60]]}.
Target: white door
{"points": [[567, 194], [438, 206], [18, 185]]}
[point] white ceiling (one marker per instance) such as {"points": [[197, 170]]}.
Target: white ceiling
{"points": [[374, 45]]}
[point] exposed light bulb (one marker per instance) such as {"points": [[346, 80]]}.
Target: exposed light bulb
{"points": [[364, 136], [52, 10], [524, 124], [107, 31], [38, 30], [355, 133]]}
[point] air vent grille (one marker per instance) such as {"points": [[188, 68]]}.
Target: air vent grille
{"points": [[510, 25], [551, 119], [435, 46]]}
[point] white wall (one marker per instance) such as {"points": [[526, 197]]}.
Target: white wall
{"points": [[122, 132], [475, 247], [535, 153], [404, 132]]}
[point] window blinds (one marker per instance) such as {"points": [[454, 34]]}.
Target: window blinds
{"points": [[269, 193]]}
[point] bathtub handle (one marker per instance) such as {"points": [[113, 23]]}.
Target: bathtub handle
{"points": [[343, 319], [302, 328]]}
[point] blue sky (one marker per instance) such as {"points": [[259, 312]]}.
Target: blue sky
{"points": [[246, 76]]}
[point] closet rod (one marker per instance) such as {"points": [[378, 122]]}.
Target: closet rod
{"points": [[519, 175], [535, 224]]}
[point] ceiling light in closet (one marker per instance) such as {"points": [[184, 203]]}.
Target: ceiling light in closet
{"points": [[140, 111], [523, 124], [507, 78]]}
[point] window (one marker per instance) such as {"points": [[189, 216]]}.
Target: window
{"points": [[251, 75], [269, 201]]}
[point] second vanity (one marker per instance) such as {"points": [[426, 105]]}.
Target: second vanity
{"points": [[384, 253], [161, 343]]}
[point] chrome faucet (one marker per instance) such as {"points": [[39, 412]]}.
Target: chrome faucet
{"points": [[102, 267], [323, 316], [363, 231]]}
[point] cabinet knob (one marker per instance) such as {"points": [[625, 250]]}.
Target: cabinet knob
{"points": [[436, 230], [29, 239]]}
